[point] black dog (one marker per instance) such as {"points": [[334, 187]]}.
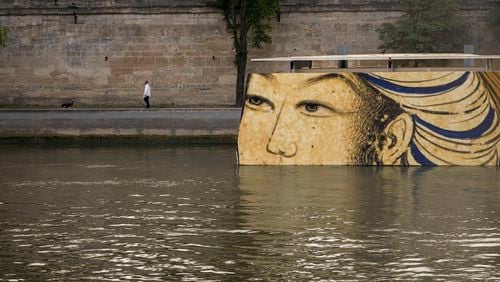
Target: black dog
{"points": [[68, 105]]}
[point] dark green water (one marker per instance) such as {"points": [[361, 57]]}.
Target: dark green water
{"points": [[178, 213]]}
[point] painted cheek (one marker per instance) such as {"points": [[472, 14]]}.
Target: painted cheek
{"points": [[331, 141], [255, 131]]}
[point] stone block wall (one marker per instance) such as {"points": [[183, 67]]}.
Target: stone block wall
{"points": [[92, 4], [182, 47], [105, 59]]}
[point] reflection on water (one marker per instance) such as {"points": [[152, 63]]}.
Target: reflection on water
{"points": [[183, 213]]}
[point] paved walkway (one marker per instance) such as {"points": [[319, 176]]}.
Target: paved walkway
{"points": [[166, 123]]}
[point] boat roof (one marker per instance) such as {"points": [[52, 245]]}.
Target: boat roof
{"points": [[380, 57]]}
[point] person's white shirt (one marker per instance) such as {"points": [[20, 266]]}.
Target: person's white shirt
{"points": [[147, 90]]}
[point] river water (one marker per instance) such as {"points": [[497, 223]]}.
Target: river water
{"points": [[188, 213]]}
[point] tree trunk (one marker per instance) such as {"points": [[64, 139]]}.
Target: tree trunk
{"points": [[241, 55], [240, 80]]}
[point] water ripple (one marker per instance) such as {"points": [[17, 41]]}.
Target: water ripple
{"points": [[168, 215]]}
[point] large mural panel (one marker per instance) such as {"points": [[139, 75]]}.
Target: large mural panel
{"points": [[386, 118]]}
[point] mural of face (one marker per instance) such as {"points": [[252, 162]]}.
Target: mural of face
{"points": [[319, 119], [386, 118]]}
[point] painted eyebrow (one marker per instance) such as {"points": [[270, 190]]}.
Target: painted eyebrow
{"points": [[328, 76], [267, 76]]}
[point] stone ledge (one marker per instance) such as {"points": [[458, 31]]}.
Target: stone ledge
{"points": [[354, 6], [76, 110], [117, 140], [164, 124]]}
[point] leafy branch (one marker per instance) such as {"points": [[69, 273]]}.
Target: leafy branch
{"points": [[246, 20]]}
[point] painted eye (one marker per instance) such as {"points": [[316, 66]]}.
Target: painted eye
{"points": [[311, 107], [316, 109], [255, 100], [259, 103]]}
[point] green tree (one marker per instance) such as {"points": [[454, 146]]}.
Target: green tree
{"points": [[426, 26], [3, 35], [495, 20], [246, 20]]}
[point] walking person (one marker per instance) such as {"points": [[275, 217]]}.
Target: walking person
{"points": [[147, 93]]}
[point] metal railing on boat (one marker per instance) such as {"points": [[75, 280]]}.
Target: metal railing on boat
{"points": [[389, 62]]}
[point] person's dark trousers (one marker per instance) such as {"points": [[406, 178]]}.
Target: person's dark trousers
{"points": [[146, 100]]}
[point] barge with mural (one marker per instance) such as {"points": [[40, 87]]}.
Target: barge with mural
{"points": [[385, 116]]}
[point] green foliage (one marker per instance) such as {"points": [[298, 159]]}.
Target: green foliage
{"points": [[3, 35], [247, 17], [495, 21], [427, 26]]}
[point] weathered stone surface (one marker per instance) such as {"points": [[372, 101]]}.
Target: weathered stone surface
{"points": [[182, 47], [142, 123]]}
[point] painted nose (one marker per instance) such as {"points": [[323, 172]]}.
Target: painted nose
{"points": [[286, 149], [280, 144], [282, 141]]}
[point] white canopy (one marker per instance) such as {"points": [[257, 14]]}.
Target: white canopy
{"points": [[380, 57]]}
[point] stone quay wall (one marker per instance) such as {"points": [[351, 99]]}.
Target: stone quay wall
{"points": [[181, 47], [186, 125]]}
